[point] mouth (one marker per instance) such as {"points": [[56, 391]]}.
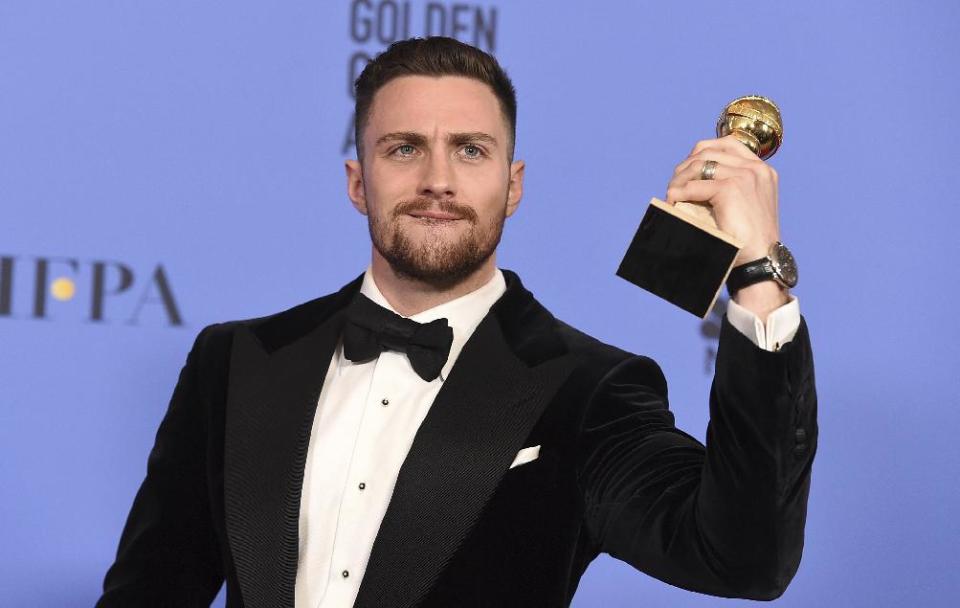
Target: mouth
{"points": [[434, 217]]}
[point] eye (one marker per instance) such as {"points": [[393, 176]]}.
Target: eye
{"points": [[405, 149], [472, 151]]}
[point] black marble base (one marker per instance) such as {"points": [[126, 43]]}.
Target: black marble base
{"points": [[677, 260]]}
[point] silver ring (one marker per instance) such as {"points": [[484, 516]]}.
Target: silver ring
{"points": [[708, 170]]}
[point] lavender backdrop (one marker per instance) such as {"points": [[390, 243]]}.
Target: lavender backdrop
{"points": [[182, 161]]}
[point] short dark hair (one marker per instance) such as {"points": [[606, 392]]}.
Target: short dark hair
{"points": [[433, 56]]}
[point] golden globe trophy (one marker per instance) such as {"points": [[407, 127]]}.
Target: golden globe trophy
{"points": [[678, 253]]}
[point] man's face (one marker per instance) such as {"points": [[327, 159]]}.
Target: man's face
{"points": [[435, 146]]}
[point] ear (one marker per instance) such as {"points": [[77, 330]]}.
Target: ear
{"points": [[515, 188], [355, 185]]}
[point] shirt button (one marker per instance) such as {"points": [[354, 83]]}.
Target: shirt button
{"points": [[384, 402], [801, 435], [345, 573], [362, 485]]}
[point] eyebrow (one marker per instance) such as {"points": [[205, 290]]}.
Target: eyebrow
{"points": [[412, 137]]}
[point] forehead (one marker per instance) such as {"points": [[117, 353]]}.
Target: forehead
{"points": [[429, 104]]}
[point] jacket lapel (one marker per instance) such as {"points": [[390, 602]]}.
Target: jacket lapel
{"points": [[477, 423], [273, 390], [505, 376]]}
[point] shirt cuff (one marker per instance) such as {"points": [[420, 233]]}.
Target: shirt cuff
{"points": [[782, 324]]}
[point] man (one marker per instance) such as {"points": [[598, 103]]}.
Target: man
{"points": [[430, 435]]}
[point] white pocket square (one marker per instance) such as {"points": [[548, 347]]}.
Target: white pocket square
{"points": [[526, 455]]}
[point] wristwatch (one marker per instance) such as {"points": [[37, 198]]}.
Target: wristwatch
{"points": [[778, 265]]}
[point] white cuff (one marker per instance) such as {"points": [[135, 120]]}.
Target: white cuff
{"points": [[782, 324]]}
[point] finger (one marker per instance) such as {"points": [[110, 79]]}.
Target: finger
{"points": [[727, 143], [698, 190], [723, 158], [694, 170]]}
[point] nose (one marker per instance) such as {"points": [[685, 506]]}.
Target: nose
{"points": [[438, 177]]}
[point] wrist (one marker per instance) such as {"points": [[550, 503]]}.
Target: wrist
{"points": [[762, 298], [751, 253], [778, 265]]}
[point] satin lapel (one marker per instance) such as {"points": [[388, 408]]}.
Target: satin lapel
{"points": [[476, 425], [271, 402]]}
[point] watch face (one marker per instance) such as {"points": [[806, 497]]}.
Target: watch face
{"points": [[784, 264]]}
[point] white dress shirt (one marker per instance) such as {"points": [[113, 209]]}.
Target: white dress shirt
{"points": [[366, 419]]}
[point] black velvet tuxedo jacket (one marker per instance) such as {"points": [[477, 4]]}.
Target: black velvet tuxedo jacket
{"points": [[220, 501]]}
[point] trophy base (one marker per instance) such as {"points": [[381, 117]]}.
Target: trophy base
{"points": [[679, 254]]}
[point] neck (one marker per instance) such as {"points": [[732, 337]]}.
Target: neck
{"points": [[410, 296]]}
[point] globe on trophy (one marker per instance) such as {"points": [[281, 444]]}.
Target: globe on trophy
{"points": [[678, 253]]}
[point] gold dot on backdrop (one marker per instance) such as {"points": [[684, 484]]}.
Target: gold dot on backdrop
{"points": [[62, 288]]}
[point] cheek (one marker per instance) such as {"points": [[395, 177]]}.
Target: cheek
{"points": [[487, 186], [380, 200], [389, 185]]}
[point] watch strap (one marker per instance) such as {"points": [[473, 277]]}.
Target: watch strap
{"points": [[750, 273]]}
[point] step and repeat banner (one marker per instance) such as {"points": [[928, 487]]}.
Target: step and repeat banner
{"points": [[166, 165]]}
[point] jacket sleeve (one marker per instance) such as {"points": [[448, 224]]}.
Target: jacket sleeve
{"points": [[168, 553], [726, 519]]}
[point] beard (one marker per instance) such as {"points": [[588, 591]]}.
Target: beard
{"points": [[435, 260]]}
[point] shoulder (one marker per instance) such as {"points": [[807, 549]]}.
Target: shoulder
{"points": [[278, 329], [213, 344], [603, 362], [536, 335]]}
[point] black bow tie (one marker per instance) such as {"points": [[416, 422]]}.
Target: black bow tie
{"points": [[371, 329]]}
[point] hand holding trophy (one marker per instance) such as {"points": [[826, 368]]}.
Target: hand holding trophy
{"points": [[679, 252]]}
